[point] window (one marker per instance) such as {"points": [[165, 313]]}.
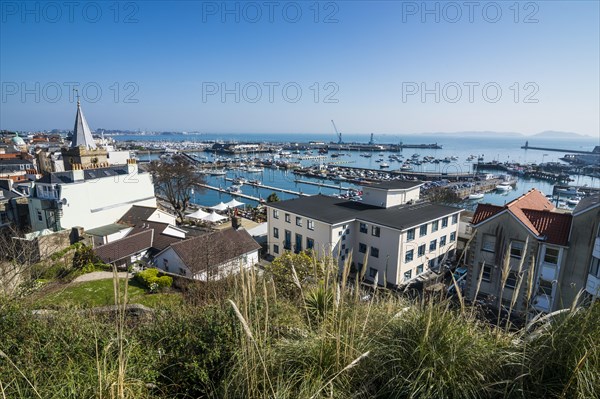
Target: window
{"points": [[275, 232], [343, 246], [545, 287], [511, 280], [407, 275], [310, 224], [420, 269], [453, 236], [182, 271], [423, 230], [372, 272], [298, 246], [363, 228], [375, 231], [516, 249], [344, 237], [445, 222], [39, 215], [310, 243], [276, 249], [166, 264], [275, 214], [435, 225], [287, 218], [410, 235], [287, 242], [454, 219], [422, 250], [298, 221], [489, 243], [551, 256], [442, 241], [362, 248], [375, 252], [408, 257], [595, 267], [487, 273], [433, 245]]}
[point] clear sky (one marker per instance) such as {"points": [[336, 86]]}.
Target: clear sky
{"points": [[385, 67]]}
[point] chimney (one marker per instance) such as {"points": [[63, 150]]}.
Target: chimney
{"points": [[77, 172], [132, 166], [236, 222]]}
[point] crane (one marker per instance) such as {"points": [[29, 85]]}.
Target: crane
{"points": [[372, 141], [339, 135]]}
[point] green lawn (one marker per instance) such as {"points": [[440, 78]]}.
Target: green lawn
{"points": [[101, 293]]}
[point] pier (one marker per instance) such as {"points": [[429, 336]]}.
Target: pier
{"points": [[528, 147], [323, 185], [281, 190], [222, 190]]}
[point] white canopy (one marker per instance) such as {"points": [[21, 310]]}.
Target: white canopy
{"points": [[214, 217], [199, 214], [220, 207], [233, 203]]}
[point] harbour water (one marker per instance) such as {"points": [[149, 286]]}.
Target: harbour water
{"points": [[496, 148]]}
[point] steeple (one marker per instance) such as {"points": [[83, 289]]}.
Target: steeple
{"points": [[82, 136]]}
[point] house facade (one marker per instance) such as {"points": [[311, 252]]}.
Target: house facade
{"points": [[529, 255], [211, 256], [389, 236], [88, 198]]}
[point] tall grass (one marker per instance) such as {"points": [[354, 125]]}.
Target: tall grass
{"points": [[326, 337]]}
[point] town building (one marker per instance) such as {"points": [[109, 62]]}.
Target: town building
{"points": [[391, 233], [88, 198], [528, 255], [211, 256], [13, 207]]}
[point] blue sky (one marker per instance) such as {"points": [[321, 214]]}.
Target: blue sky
{"points": [[369, 62]]}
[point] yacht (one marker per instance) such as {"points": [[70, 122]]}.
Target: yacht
{"points": [[217, 172], [503, 187], [573, 201], [384, 165], [476, 196], [253, 169], [234, 189]]}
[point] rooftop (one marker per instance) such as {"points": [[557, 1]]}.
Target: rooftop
{"points": [[125, 247], [395, 185], [586, 204], [106, 230], [535, 211], [88, 174], [334, 210], [214, 249]]}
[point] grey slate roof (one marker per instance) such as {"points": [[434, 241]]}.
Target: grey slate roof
{"points": [[211, 250], [106, 230], [88, 174], [82, 134], [125, 247], [334, 210]]}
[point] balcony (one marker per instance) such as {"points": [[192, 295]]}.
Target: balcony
{"points": [[596, 252], [593, 283]]}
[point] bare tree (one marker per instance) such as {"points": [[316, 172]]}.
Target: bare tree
{"points": [[175, 180], [17, 255]]}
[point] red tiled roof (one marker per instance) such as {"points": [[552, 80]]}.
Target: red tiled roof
{"points": [[485, 211], [554, 226], [128, 246], [534, 210]]}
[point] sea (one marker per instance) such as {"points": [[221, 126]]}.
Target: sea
{"points": [[492, 148]]}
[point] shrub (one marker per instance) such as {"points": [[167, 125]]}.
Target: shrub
{"points": [[150, 279]]}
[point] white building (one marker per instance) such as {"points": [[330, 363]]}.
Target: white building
{"points": [[389, 232], [211, 256], [88, 198]]}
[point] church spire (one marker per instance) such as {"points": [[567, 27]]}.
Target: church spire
{"points": [[82, 135]]}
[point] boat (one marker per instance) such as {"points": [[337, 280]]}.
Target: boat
{"points": [[234, 189], [569, 191], [406, 167], [239, 180], [573, 201], [503, 187], [384, 165], [217, 172], [253, 170], [476, 196], [255, 182]]}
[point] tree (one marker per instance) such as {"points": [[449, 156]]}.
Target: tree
{"points": [[273, 197], [175, 180], [442, 195]]}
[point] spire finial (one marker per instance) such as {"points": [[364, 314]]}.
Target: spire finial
{"points": [[77, 95]]}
